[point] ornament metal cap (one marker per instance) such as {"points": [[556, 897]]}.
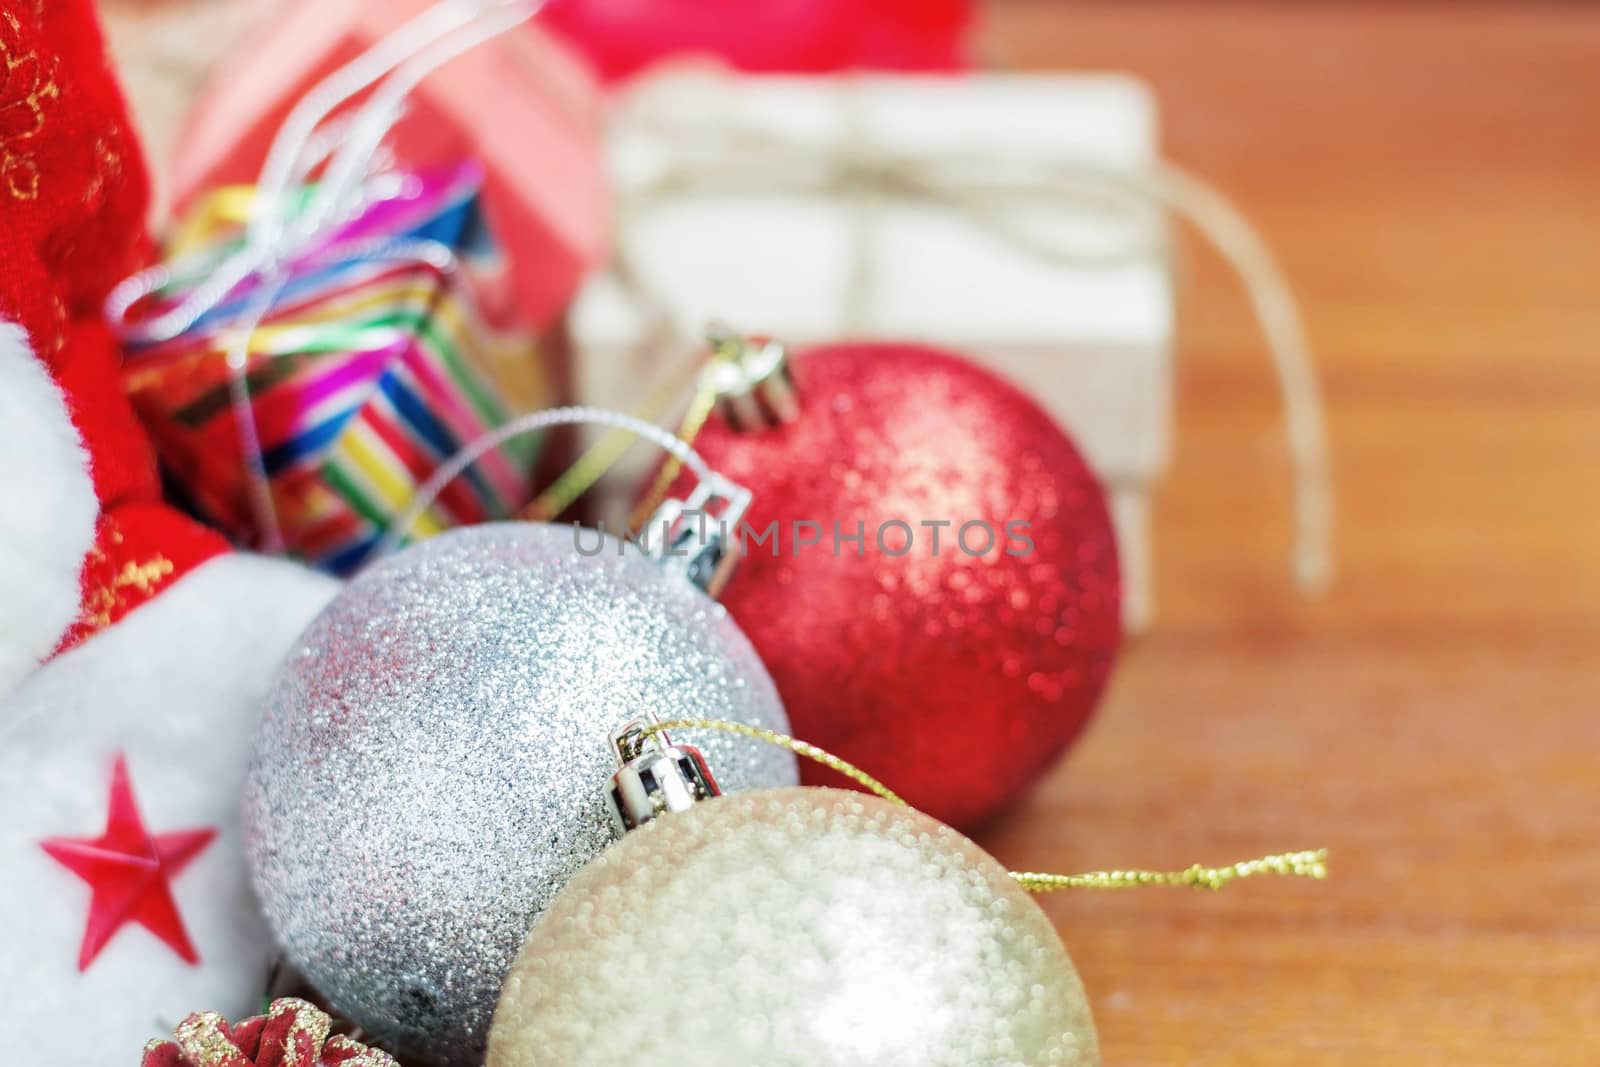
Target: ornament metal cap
{"points": [[697, 536], [751, 380], [654, 776]]}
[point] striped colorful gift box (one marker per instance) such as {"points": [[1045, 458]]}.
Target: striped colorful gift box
{"points": [[367, 372]]}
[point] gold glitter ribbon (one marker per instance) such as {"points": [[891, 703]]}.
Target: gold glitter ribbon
{"points": [[1311, 864], [724, 349], [799, 748], [604, 453], [1308, 864]]}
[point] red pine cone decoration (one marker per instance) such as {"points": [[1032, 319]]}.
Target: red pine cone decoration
{"points": [[293, 1033]]}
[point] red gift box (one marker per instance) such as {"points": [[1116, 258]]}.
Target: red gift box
{"points": [[624, 37]]}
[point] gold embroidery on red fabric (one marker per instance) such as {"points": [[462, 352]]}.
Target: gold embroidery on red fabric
{"points": [[132, 580], [142, 578], [26, 85], [58, 312], [107, 168]]}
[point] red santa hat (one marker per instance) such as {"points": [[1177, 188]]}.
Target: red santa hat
{"points": [[125, 898], [84, 536]]}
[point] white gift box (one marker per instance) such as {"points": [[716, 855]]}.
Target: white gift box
{"points": [[977, 213]]}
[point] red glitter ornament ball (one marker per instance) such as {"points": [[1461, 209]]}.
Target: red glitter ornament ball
{"points": [[939, 600]]}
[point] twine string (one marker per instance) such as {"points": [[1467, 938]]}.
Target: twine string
{"points": [[1307, 864]]}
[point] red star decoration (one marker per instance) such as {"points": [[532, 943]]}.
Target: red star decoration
{"points": [[130, 871]]}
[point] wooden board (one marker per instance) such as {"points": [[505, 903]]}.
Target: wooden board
{"points": [[1430, 175]]}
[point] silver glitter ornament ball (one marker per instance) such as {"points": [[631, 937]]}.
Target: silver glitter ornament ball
{"points": [[794, 928], [432, 764]]}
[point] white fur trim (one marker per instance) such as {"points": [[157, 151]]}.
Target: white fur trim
{"points": [[177, 688], [47, 510]]}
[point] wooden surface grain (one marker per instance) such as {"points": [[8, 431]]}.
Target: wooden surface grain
{"points": [[1430, 175]]}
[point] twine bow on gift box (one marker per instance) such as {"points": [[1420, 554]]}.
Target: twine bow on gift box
{"points": [[297, 228], [720, 154]]}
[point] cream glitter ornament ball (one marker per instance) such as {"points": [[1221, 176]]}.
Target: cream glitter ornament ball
{"points": [[793, 928], [428, 774]]}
